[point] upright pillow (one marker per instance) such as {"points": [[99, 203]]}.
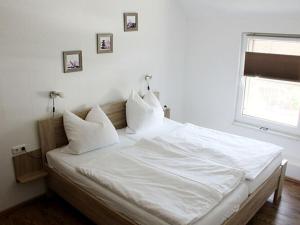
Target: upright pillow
{"points": [[143, 114], [152, 100], [109, 134], [96, 132]]}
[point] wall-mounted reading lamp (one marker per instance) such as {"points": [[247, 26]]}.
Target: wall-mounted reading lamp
{"points": [[148, 79], [53, 95]]}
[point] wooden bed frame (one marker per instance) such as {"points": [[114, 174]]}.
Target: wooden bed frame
{"points": [[52, 136]]}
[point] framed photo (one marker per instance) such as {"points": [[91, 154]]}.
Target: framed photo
{"points": [[131, 22], [105, 43], [72, 61]]}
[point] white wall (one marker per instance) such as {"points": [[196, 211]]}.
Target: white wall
{"points": [[34, 33], [212, 71]]}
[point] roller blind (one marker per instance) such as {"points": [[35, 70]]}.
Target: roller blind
{"points": [[272, 66]]}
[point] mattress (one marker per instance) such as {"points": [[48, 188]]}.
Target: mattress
{"points": [[263, 176], [65, 164]]}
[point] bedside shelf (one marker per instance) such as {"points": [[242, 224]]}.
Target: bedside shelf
{"points": [[29, 167], [31, 176]]}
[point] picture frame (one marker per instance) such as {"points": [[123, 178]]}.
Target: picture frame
{"points": [[131, 22], [105, 43], [72, 61]]}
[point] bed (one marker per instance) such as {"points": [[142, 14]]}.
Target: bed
{"points": [[103, 207]]}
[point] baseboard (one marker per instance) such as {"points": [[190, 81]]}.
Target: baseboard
{"points": [[292, 180], [20, 205], [293, 171]]}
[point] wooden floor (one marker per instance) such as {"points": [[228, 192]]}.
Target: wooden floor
{"points": [[286, 213], [55, 211]]}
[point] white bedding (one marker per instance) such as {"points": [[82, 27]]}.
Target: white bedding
{"points": [[176, 188], [247, 154], [65, 164], [170, 126], [216, 177], [167, 127]]}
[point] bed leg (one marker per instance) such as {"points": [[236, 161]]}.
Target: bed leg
{"points": [[278, 191]]}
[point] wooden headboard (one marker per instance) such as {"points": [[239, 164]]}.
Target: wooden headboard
{"points": [[52, 132]]}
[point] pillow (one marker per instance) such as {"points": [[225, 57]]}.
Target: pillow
{"points": [[152, 100], [143, 114], [109, 134], [96, 132]]}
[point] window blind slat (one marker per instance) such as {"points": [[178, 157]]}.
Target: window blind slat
{"points": [[273, 66]]}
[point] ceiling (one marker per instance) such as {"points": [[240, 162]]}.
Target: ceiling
{"points": [[280, 7]]}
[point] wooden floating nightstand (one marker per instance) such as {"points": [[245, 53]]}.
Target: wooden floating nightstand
{"points": [[29, 167], [31, 176]]}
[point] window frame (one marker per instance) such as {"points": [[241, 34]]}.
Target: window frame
{"points": [[255, 122]]}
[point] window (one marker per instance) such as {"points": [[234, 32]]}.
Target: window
{"points": [[269, 91]]}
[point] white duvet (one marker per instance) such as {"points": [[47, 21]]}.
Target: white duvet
{"points": [[170, 184], [247, 154]]}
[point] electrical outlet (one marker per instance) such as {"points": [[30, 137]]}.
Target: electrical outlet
{"points": [[18, 150]]}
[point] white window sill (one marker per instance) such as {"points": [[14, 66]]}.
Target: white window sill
{"points": [[273, 132]]}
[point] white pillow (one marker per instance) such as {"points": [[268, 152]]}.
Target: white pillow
{"points": [[109, 134], [152, 100], [143, 114], [84, 136]]}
